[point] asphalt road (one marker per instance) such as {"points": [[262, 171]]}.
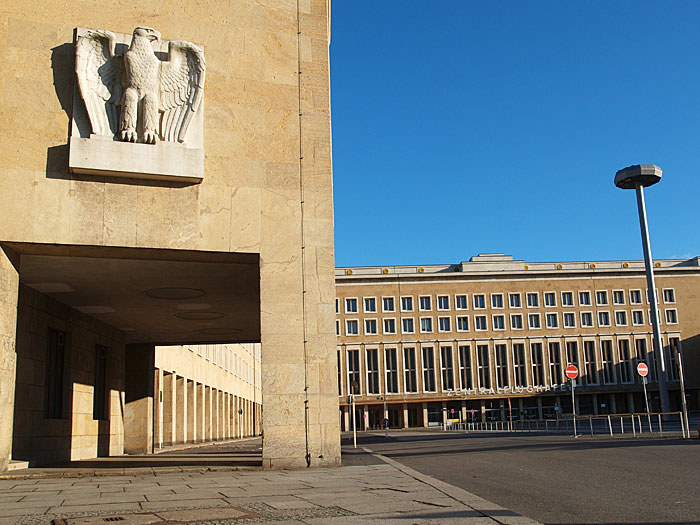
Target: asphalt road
{"points": [[557, 479]]}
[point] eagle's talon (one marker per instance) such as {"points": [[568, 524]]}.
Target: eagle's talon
{"points": [[149, 137], [129, 135]]}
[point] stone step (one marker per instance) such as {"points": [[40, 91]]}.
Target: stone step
{"points": [[17, 465]]}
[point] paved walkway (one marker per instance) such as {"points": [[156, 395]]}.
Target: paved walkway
{"points": [[376, 489]]}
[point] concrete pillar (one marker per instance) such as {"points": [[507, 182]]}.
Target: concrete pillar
{"points": [[578, 405], [595, 404], [612, 404], [630, 402], [9, 287], [227, 414], [502, 406], [139, 375], [347, 423], [222, 428], [207, 413], [444, 413], [464, 411], [201, 420], [180, 410], [169, 393], [539, 408], [191, 412], [365, 417], [521, 405], [405, 415], [425, 414], [483, 411], [158, 408]]}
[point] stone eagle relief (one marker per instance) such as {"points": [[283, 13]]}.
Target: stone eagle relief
{"points": [[135, 96]]}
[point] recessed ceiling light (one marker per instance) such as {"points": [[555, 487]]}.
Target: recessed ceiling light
{"points": [[175, 293], [199, 316]]}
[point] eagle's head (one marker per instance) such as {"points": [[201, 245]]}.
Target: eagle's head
{"points": [[147, 32]]}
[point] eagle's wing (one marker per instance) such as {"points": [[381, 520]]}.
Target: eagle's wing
{"points": [[99, 74], [181, 88]]}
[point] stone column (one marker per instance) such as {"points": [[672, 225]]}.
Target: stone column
{"points": [[464, 411], [520, 409], [595, 404], [227, 414], [139, 374], [539, 408], [405, 415], [483, 411], [201, 419], [207, 414], [613, 404], [169, 394], [180, 410], [9, 289], [444, 413], [425, 414], [158, 408], [191, 434], [630, 402]]}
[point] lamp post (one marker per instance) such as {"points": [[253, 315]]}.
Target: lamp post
{"points": [[639, 177]]}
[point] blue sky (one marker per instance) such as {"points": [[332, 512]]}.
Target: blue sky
{"points": [[473, 127]]}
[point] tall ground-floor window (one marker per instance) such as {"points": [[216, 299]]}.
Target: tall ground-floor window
{"points": [[448, 378], [482, 358], [372, 371], [623, 356], [392, 371], [555, 375], [354, 371], [519, 372], [608, 363], [590, 363], [428, 369], [465, 367], [501, 366], [409, 366], [537, 364]]}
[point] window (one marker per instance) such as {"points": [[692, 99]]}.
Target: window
{"points": [[340, 375], [601, 297], [370, 304], [637, 317], [569, 320], [392, 371], [608, 363], [620, 318], [537, 364], [514, 300], [480, 323], [567, 298], [674, 346], [635, 297], [623, 356], [550, 299], [586, 319], [426, 324], [618, 296], [370, 326], [354, 371], [351, 305], [351, 327], [462, 323], [669, 295], [407, 304], [516, 321], [424, 303], [552, 320], [337, 330], [461, 302], [496, 300], [407, 325], [389, 326], [465, 368], [519, 373], [428, 369], [533, 300], [443, 302], [482, 358], [671, 316], [534, 321], [336, 305], [387, 304], [446, 368], [409, 365], [572, 354], [649, 359], [479, 301], [501, 366], [499, 322], [372, 372], [603, 319], [590, 363], [584, 298], [555, 375], [443, 324], [98, 397]]}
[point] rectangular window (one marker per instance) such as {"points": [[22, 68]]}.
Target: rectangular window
{"points": [[461, 302], [584, 298], [351, 327], [669, 295], [407, 325], [534, 321], [482, 358], [426, 324], [608, 363], [337, 330], [446, 368], [354, 371], [392, 371], [370, 304], [514, 300], [480, 323], [499, 322], [351, 305], [516, 321], [637, 317], [465, 368], [409, 366], [555, 375], [389, 326], [340, 375], [462, 323], [501, 366], [572, 354], [643, 357], [370, 326], [590, 363], [55, 377], [618, 296], [623, 356], [603, 319], [550, 299], [496, 300], [336, 305], [601, 297], [407, 304], [533, 300], [569, 320], [519, 372], [537, 360], [621, 318], [443, 324], [674, 346], [586, 319], [98, 398], [424, 303], [567, 298], [443, 302], [635, 297], [479, 301], [671, 316], [372, 371], [552, 320], [428, 369], [387, 304]]}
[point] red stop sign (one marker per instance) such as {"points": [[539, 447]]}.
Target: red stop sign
{"points": [[571, 372], [642, 369]]}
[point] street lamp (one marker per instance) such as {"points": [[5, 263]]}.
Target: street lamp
{"points": [[639, 177]]}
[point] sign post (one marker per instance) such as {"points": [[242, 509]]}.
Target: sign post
{"points": [[685, 404], [572, 373], [643, 371]]}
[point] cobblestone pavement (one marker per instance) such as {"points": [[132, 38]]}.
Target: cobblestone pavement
{"points": [[375, 489]]}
